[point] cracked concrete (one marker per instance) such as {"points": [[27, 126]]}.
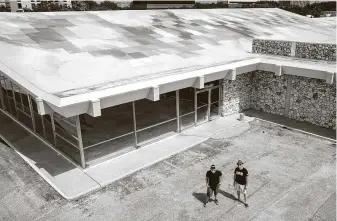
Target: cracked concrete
{"points": [[292, 177]]}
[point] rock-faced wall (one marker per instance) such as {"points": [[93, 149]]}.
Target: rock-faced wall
{"points": [[269, 92], [314, 101], [273, 47], [236, 95], [316, 51], [304, 99]]}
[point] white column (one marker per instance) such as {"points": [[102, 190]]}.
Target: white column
{"points": [[134, 123], [80, 142], [31, 112], [195, 106], [53, 127], [177, 110]]}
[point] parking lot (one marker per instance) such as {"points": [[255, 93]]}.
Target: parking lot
{"points": [[292, 177]]}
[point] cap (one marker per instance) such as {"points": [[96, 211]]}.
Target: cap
{"points": [[212, 167], [239, 162]]}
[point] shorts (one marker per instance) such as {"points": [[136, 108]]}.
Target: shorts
{"points": [[212, 189], [240, 188]]}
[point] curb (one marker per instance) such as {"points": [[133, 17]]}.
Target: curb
{"points": [[298, 130]]}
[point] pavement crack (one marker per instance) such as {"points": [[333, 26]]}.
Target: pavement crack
{"points": [[172, 165]]}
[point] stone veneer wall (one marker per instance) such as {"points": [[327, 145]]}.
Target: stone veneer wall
{"points": [[314, 101], [269, 92], [316, 51], [282, 48], [236, 95], [309, 99]]}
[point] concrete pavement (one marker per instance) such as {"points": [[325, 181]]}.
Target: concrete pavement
{"points": [[292, 175]]}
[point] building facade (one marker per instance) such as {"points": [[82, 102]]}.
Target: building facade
{"points": [[18, 5], [158, 73]]}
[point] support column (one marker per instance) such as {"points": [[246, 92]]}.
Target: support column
{"points": [[209, 104], [21, 100], [134, 123], [288, 95], [8, 99], [43, 127], [53, 127], [220, 98], [31, 112], [80, 142], [14, 100], [195, 106], [2, 97], [177, 110]]}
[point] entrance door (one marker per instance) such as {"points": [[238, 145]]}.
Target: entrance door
{"points": [[207, 104]]}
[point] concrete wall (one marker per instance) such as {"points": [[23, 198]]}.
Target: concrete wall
{"points": [[300, 98], [316, 51], [282, 48]]}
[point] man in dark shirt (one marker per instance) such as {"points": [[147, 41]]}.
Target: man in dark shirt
{"points": [[241, 180], [213, 182]]}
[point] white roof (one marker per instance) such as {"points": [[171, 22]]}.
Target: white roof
{"points": [[62, 54]]}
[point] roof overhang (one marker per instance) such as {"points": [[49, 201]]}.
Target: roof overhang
{"points": [[92, 103]]}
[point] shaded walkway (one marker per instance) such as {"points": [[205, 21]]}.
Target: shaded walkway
{"points": [[299, 125]]}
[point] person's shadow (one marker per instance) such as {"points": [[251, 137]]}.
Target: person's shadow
{"points": [[228, 195], [200, 196], [203, 196]]}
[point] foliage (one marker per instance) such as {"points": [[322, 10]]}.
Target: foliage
{"points": [[80, 6], [312, 9], [211, 5], [4, 9]]}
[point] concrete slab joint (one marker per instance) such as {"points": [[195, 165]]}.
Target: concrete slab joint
{"points": [[199, 82], [95, 108], [153, 94]]}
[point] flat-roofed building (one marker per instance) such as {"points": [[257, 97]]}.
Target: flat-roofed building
{"points": [[96, 85]]}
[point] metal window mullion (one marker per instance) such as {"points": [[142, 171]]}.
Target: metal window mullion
{"points": [[31, 111], [66, 140], [195, 106], [14, 98], [108, 140], [164, 122], [43, 127], [80, 141], [134, 123], [202, 106], [24, 113], [22, 106], [183, 115], [9, 103], [177, 109], [53, 127], [220, 98], [2, 97], [209, 105]]}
